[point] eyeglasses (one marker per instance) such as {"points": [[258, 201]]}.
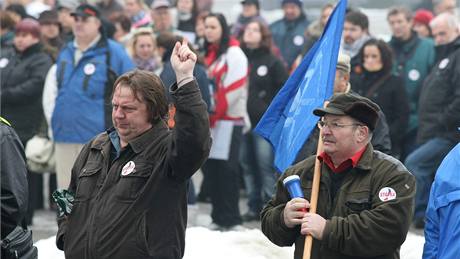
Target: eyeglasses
{"points": [[335, 125]]}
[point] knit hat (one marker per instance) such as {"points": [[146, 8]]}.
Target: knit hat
{"points": [[353, 105], [423, 16], [343, 63], [297, 2], [28, 25]]}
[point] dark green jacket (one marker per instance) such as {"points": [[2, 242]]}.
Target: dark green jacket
{"points": [[413, 61], [359, 224]]}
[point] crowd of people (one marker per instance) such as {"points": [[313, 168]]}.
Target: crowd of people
{"points": [[60, 61]]}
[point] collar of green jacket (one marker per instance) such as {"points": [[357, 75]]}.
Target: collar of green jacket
{"points": [[365, 163]]}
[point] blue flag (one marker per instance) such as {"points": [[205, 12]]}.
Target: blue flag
{"points": [[289, 120]]}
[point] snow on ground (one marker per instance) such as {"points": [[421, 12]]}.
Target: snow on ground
{"points": [[202, 243]]}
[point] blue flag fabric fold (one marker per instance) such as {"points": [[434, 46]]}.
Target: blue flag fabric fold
{"points": [[289, 120]]}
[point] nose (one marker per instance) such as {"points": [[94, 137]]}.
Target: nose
{"points": [[118, 113], [326, 130]]}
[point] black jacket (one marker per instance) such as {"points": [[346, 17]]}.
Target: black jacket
{"points": [[141, 213], [267, 75], [22, 79], [389, 93], [439, 103], [14, 189]]}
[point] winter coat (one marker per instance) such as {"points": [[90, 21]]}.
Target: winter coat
{"points": [[82, 108], [135, 205], [23, 76], [442, 231], [267, 75], [413, 61], [390, 95], [289, 37], [369, 216], [228, 73], [439, 103], [14, 179]]}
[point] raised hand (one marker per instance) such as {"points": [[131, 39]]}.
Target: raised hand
{"points": [[183, 60]]}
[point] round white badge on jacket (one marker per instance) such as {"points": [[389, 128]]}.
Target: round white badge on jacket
{"points": [[443, 63], [414, 75], [4, 62], [128, 168], [89, 69], [387, 194], [298, 40], [262, 70]]}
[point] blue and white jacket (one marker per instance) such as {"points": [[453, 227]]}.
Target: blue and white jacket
{"points": [[83, 104]]}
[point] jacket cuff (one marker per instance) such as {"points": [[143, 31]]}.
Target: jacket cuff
{"points": [[283, 229], [60, 236], [184, 84], [326, 232]]}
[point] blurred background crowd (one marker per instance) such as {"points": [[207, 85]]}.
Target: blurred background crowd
{"points": [[59, 59]]}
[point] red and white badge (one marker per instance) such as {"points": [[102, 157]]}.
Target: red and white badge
{"points": [[128, 168], [387, 194]]}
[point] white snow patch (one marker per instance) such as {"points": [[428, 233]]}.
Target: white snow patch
{"points": [[202, 243]]}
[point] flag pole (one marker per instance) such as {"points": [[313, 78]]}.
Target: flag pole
{"points": [[314, 192]]}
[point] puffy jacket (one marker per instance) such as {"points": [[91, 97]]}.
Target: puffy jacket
{"points": [[82, 108], [439, 103], [22, 79], [414, 59], [369, 216], [442, 231], [267, 75], [143, 213], [289, 37]]}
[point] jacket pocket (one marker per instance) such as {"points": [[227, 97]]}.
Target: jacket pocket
{"points": [[87, 182], [129, 186], [357, 205]]}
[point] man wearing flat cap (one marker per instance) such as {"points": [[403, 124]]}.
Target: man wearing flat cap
{"points": [[365, 198]]}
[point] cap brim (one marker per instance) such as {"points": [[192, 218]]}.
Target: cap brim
{"points": [[80, 14], [328, 110]]}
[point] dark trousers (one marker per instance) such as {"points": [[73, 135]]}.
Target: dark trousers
{"points": [[223, 177]]}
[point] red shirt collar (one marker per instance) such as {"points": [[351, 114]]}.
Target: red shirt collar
{"points": [[351, 162]]}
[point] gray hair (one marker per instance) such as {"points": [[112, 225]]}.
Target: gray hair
{"points": [[448, 18]]}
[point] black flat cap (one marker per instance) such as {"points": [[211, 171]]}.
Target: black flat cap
{"points": [[360, 108]]}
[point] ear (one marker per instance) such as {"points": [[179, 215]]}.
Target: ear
{"points": [[362, 133]]}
